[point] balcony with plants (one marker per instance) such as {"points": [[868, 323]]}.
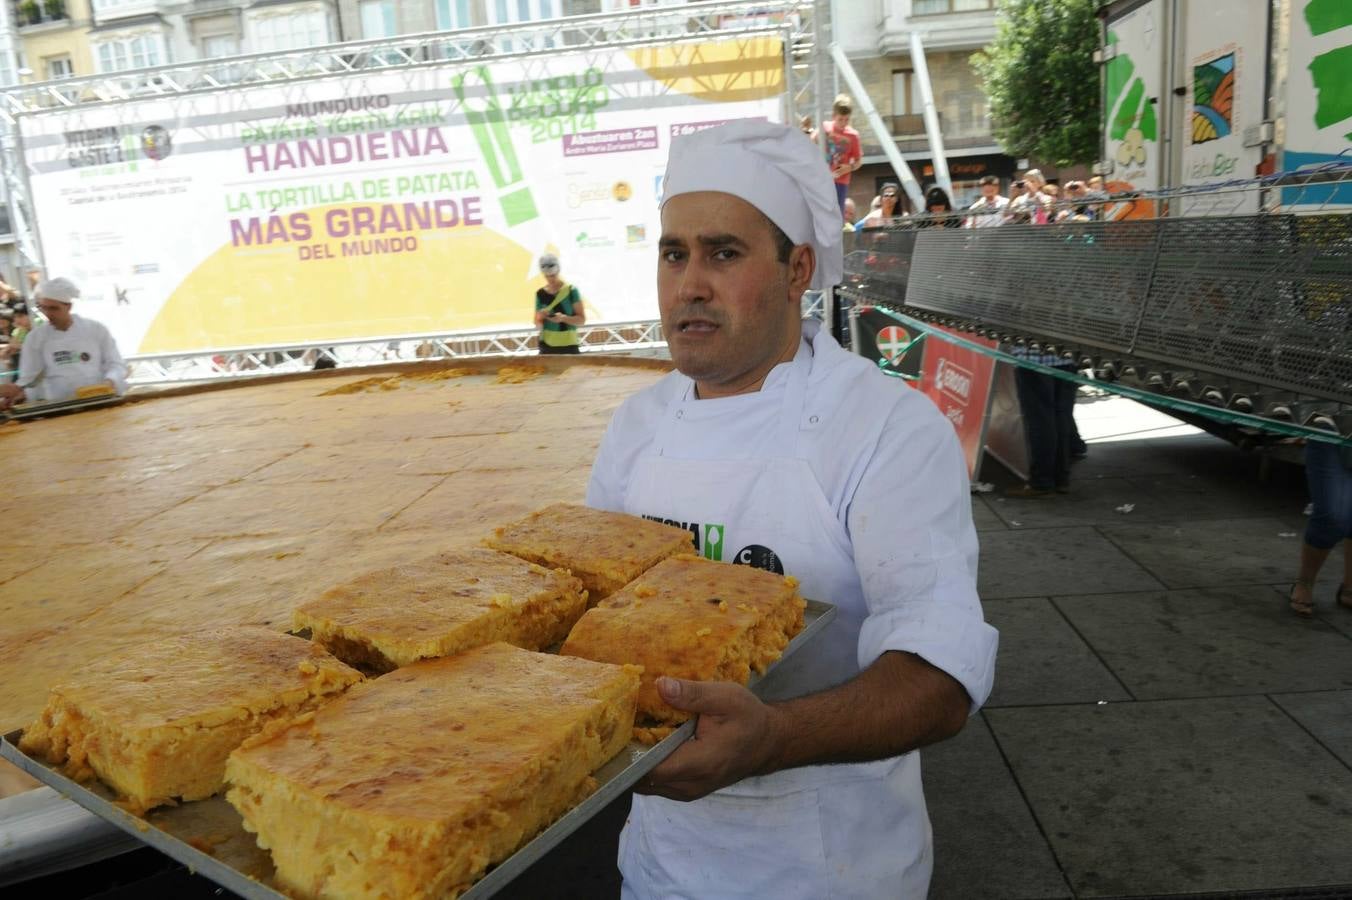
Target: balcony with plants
{"points": [[33, 13]]}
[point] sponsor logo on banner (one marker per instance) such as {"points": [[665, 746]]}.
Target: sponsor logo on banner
{"points": [[96, 146], [156, 143], [588, 241], [953, 380], [706, 538], [960, 390], [588, 193], [636, 234], [622, 191]]}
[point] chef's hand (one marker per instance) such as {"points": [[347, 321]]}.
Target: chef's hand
{"points": [[10, 394], [736, 736]]}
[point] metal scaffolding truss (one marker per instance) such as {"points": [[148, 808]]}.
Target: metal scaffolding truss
{"points": [[211, 115], [661, 26], [248, 362]]}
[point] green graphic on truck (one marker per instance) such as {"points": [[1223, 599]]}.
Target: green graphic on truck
{"points": [[1132, 118]]}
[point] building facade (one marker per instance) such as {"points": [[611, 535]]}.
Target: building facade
{"points": [[64, 38], [55, 39], [52, 38], [368, 19], [876, 35]]}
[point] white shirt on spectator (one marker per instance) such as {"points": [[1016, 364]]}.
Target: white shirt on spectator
{"points": [[987, 214]]}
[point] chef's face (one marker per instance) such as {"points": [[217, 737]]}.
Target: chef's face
{"points": [[730, 306], [57, 313]]}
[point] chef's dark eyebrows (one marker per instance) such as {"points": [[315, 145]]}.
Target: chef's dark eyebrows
{"points": [[711, 241], [722, 239]]}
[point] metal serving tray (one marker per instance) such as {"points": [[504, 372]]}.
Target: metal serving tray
{"points": [[37, 410], [208, 836]]}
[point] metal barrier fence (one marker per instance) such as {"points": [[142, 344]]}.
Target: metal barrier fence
{"points": [[1259, 298], [1251, 314]]}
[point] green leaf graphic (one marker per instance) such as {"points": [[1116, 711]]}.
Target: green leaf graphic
{"points": [[1332, 73], [1126, 113], [1118, 73], [1148, 125], [1324, 16]]}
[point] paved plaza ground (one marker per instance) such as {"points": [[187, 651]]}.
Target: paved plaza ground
{"points": [[1161, 724]]}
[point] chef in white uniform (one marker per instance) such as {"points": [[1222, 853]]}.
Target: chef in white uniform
{"points": [[779, 449], [68, 353]]}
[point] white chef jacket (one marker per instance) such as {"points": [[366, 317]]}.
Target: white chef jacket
{"points": [[55, 363], [893, 482]]}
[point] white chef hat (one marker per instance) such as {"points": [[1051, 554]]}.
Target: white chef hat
{"points": [[62, 290], [776, 169]]}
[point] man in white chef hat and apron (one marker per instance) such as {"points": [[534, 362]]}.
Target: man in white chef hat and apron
{"points": [[66, 354], [784, 451]]}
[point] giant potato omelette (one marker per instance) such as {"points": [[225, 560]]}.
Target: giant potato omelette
{"points": [[218, 507]]}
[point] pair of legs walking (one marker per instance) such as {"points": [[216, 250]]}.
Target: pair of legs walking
{"points": [[1330, 483]]}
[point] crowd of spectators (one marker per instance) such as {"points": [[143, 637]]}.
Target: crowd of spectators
{"points": [[1031, 200], [1045, 387]]}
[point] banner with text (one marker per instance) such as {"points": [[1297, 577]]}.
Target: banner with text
{"points": [[959, 380], [379, 204]]}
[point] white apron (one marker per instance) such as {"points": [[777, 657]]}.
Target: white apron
{"points": [[847, 831]]}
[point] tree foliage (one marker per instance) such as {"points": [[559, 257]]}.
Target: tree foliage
{"points": [[1042, 80]]}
